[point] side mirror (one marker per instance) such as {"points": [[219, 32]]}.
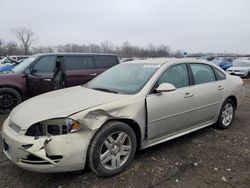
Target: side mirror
{"points": [[165, 87]]}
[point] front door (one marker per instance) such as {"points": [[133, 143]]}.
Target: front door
{"points": [[40, 80], [170, 112]]}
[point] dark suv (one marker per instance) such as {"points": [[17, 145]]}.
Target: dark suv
{"points": [[46, 72]]}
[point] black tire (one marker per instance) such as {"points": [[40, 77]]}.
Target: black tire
{"points": [[97, 147], [9, 98], [225, 124], [248, 75]]}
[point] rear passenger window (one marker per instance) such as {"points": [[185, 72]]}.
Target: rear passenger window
{"points": [[219, 75], [78, 63], [202, 73], [103, 62]]}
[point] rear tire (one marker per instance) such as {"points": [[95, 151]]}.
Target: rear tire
{"points": [[9, 98], [226, 115], [112, 149]]}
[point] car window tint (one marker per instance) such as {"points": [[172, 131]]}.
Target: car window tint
{"points": [[78, 63], [45, 65], [104, 62], [219, 75], [176, 75], [202, 73]]}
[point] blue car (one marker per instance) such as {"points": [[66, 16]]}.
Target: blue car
{"points": [[7, 64], [7, 67], [223, 63]]}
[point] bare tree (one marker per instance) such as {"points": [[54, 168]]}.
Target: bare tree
{"points": [[107, 47], [26, 37]]}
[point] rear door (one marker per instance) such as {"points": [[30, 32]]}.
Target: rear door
{"points": [[208, 93], [78, 70], [104, 62], [40, 80]]}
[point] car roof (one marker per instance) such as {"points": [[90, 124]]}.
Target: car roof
{"points": [[84, 54], [169, 61]]}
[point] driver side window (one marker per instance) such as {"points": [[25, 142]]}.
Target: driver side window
{"points": [[176, 75], [46, 65]]}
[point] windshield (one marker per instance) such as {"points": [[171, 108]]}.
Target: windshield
{"points": [[24, 64], [242, 63], [126, 78]]}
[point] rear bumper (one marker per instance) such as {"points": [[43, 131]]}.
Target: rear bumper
{"points": [[46, 154], [241, 74]]}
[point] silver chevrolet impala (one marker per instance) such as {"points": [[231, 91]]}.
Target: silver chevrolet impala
{"points": [[130, 107]]}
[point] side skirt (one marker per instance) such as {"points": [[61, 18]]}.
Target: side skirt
{"points": [[148, 143]]}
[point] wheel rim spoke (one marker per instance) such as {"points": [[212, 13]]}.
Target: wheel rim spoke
{"points": [[107, 144], [116, 150], [121, 138], [106, 157], [110, 140], [227, 114]]}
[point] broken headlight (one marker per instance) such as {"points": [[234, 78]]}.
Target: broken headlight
{"points": [[54, 127]]}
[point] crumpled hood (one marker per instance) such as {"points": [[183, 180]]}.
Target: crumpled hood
{"points": [[61, 103]]}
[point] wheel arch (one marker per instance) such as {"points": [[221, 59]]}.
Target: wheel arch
{"points": [[234, 99], [133, 124], [15, 88]]}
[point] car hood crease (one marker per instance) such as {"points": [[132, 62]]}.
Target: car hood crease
{"points": [[61, 103]]}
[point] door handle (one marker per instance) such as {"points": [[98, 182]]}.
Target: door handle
{"points": [[93, 74], [187, 95], [220, 88], [47, 79]]}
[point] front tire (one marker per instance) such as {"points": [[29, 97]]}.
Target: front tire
{"points": [[226, 115], [9, 98], [112, 149]]}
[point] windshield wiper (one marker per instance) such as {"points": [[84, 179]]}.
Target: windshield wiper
{"points": [[105, 90]]}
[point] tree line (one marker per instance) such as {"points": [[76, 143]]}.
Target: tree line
{"points": [[26, 40]]}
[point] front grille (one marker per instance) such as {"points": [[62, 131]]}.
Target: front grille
{"points": [[14, 127]]}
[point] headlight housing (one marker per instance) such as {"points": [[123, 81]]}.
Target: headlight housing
{"points": [[53, 127]]}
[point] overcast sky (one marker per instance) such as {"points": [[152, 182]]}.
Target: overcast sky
{"points": [[191, 25]]}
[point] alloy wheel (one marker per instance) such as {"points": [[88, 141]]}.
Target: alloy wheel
{"points": [[115, 150], [227, 114]]}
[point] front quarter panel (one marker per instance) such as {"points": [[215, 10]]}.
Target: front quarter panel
{"points": [[132, 108]]}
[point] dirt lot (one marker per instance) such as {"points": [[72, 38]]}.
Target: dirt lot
{"points": [[205, 158]]}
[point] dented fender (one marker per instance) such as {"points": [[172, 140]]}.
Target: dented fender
{"points": [[94, 118]]}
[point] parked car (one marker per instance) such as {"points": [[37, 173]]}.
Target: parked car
{"points": [[19, 57], [7, 67], [240, 68], [131, 106], [46, 72], [223, 63], [7, 60]]}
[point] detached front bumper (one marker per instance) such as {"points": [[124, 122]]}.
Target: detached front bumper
{"points": [[46, 154]]}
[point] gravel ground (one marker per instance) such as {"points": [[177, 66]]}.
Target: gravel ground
{"points": [[205, 158]]}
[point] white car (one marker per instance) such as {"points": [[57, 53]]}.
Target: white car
{"points": [[240, 68], [129, 107]]}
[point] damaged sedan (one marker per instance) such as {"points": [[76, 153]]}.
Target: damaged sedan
{"points": [[129, 107]]}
